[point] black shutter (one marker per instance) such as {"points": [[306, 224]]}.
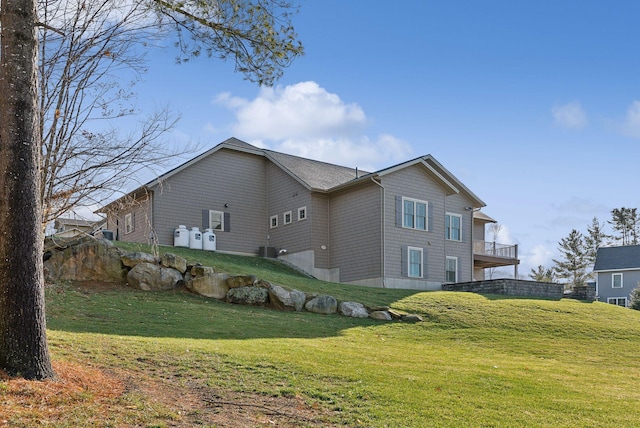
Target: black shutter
{"points": [[425, 273], [430, 225], [404, 261], [227, 222], [205, 220], [398, 211]]}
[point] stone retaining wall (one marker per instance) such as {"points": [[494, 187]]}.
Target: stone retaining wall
{"points": [[510, 287]]}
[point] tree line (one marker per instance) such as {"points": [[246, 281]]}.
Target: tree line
{"points": [[578, 250]]}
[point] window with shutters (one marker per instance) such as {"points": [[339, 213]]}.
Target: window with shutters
{"points": [[216, 220], [415, 262], [453, 227], [414, 214]]}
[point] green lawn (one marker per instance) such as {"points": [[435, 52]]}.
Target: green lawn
{"points": [[481, 361]]}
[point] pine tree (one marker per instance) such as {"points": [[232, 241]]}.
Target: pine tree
{"points": [[594, 239], [574, 262], [626, 222], [542, 274]]}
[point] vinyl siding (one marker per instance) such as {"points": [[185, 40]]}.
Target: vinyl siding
{"points": [[225, 177], [414, 183], [630, 280], [463, 249], [287, 194], [320, 233], [140, 211], [355, 241]]}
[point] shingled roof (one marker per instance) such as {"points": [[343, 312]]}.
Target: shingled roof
{"points": [[617, 258], [317, 175]]}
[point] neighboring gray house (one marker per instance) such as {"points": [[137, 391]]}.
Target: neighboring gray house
{"points": [[618, 273], [411, 225]]}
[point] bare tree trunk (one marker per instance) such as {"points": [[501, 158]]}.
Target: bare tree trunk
{"points": [[23, 341]]}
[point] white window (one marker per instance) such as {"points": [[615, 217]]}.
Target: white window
{"points": [[128, 223], [453, 225], [216, 220], [451, 271], [302, 213], [288, 217], [415, 268], [616, 280], [414, 214], [273, 221], [620, 301]]}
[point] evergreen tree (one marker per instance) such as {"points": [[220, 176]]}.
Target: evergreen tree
{"points": [[626, 222], [594, 239], [634, 303], [542, 274], [574, 262]]}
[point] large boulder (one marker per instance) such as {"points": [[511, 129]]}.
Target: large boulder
{"points": [[210, 285], [172, 261], [254, 296], [353, 309], [241, 281], [380, 315], [199, 270], [134, 258], [284, 299], [83, 258], [322, 305], [153, 277]]}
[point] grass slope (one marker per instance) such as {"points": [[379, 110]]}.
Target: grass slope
{"points": [[483, 361]]}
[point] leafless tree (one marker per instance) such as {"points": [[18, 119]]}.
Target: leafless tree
{"points": [[85, 51], [256, 34]]}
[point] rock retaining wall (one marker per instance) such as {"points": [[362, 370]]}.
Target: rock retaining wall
{"points": [[91, 259]]}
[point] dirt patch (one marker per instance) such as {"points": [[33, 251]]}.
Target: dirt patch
{"points": [[89, 397]]}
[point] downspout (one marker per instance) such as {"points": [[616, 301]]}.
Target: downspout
{"points": [[267, 221], [382, 230]]}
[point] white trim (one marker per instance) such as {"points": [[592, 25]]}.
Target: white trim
{"points": [[128, 223], [446, 266], [613, 275], [616, 303], [305, 215], [221, 227], [421, 251], [415, 204], [447, 226], [284, 217], [617, 270], [273, 221]]}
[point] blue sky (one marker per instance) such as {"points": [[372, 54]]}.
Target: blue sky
{"points": [[535, 106]]}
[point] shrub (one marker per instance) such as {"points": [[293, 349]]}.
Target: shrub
{"points": [[634, 303]]}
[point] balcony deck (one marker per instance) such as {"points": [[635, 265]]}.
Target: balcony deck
{"points": [[491, 254]]}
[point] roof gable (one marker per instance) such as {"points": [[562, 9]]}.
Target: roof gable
{"points": [[617, 258], [322, 176]]}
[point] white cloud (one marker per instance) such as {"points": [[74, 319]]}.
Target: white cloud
{"points": [[570, 116], [540, 255], [305, 119], [631, 124]]}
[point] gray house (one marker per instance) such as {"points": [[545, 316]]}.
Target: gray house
{"points": [[618, 273], [411, 225]]}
